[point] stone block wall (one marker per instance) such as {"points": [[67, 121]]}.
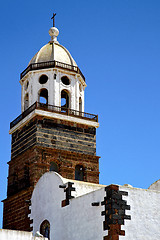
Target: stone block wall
{"points": [[16, 210], [34, 147], [56, 134], [66, 136]]}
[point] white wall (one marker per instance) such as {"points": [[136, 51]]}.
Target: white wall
{"points": [[145, 214], [54, 87], [82, 221], [18, 235], [79, 220]]}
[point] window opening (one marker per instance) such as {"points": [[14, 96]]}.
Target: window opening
{"points": [[64, 100], [80, 104], [53, 167], [79, 173], [65, 80], [43, 96], [80, 87], [26, 85], [45, 229], [43, 79]]}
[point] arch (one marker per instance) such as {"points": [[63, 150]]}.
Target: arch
{"points": [[43, 79], [26, 101], [80, 104], [80, 87], [65, 80], [79, 173], [45, 229], [54, 167], [26, 85], [65, 100], [43, 96]]}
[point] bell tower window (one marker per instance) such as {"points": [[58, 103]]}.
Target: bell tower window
{"points": [[79, 173], [64, 99], [80, 87], [43, 79], [43, 96], [53, 167], [26, 85], [80, 104], [65, 80], [45, 229]]}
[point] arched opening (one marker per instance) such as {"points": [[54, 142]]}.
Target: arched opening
{"points": [[79, 173], [80, 87], [43, 96], [26, 101], [65, 80], [64, 100], [80, 104], [43, 79], [26, 85], [54, 167], [45, 229]]}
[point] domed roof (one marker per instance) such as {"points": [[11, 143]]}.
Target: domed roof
{"points": [[53, 51]]}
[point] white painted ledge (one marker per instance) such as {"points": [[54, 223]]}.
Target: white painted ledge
{"points": [[53, 115]]}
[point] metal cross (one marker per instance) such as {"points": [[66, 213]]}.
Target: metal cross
{"points": [[54, 14]]}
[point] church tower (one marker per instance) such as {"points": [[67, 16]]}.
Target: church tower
{"points": [[53, 132]]}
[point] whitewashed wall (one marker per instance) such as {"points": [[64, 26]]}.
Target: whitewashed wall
{"points": [[79, 220], [145, 214], [18, 235], [54, 87]]}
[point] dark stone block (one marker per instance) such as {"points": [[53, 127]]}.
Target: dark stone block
{"points": [[110, 211], [116, 206], [114, 212], [120, 221], [105, 226], [94, 204], [123, 193], [114, 221], [103, 213], [127, 217], [23, 148], [126, 207], [115, 216], [108, 221], [121, 212], [122, 202], [112, 187], [117, 196]]}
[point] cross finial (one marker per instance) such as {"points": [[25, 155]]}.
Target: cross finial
{"points": [[54, 14]]}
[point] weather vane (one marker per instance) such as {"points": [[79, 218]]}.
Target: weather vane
{"points": [[54, 14]]}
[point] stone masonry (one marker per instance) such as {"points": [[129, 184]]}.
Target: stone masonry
{"points": [[56, 134], [34, 147]]}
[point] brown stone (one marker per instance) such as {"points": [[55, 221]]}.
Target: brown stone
{"points": [[34, 147]]}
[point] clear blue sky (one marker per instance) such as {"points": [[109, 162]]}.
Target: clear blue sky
{"points": [[116, 44]]}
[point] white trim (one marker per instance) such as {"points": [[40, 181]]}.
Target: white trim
{"points": [[54, 116], [22, 122]]}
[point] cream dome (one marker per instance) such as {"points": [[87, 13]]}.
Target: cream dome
{"points": [[53, 51]]}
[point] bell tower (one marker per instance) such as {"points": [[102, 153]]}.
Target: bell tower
{"points": [[53, 132], [53, 77]]}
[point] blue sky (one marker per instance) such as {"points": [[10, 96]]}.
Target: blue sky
{"points": [[116, 44]]}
